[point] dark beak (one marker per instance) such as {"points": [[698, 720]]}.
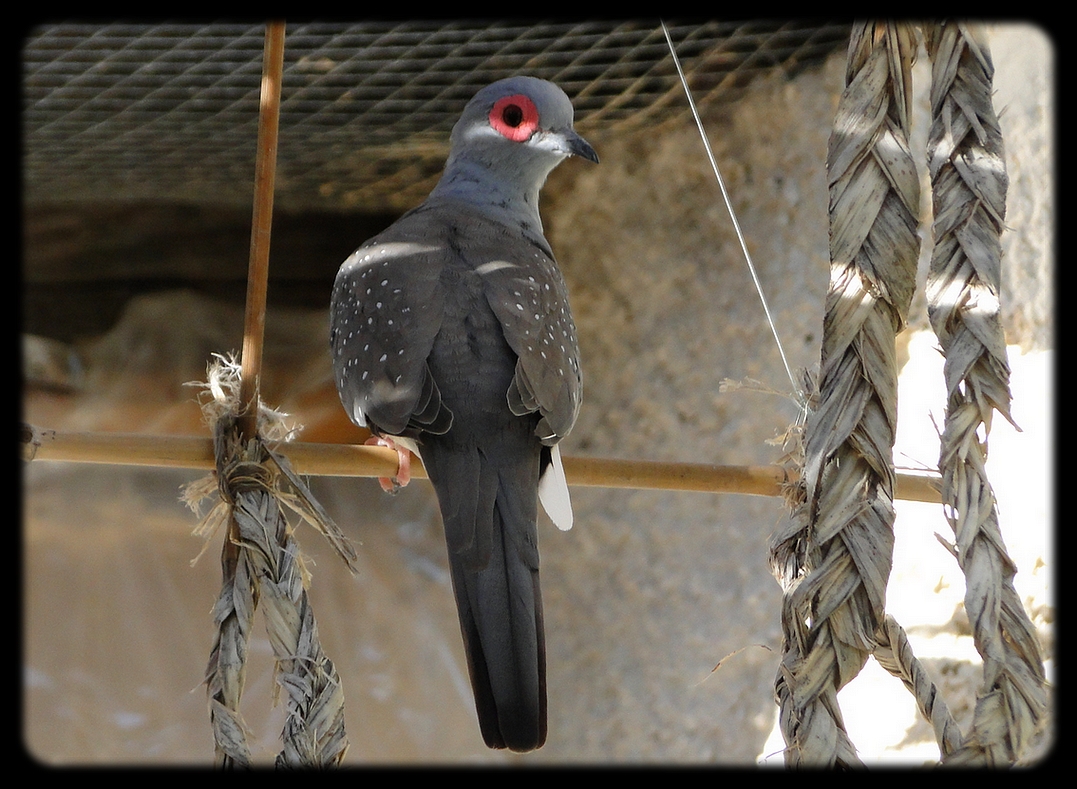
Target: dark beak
{"points": [[578, 146]]}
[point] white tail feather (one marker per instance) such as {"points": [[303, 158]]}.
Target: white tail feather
{"points": [[553, 492]]}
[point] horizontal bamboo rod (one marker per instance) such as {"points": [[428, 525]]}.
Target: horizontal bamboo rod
{"points": [[354, 460]]}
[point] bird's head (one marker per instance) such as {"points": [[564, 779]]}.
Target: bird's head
{"points": [[520, 127], [508, 139], [521, 116]]}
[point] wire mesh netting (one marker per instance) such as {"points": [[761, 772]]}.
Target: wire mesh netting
{"points": [[170, 111]]}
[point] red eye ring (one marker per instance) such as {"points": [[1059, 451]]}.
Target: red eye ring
{"points": [[514, 117]]}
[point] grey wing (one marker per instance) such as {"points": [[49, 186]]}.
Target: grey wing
{"points": [[529, 297], [385, 313]]}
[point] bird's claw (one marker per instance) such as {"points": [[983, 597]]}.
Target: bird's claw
{"points": [[403, 465]]}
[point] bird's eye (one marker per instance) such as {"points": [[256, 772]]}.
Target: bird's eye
{"points": [[515, 117], [512, 115]]}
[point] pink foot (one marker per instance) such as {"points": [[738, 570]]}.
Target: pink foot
{"points": [[403, 465]]}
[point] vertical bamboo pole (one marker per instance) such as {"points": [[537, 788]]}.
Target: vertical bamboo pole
{"points": [[265, 171]]}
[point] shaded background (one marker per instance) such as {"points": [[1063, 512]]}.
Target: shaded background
{"points": [[137, 177]]}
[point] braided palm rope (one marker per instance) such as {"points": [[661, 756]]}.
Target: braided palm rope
{"points": [[969, 184], [834, 559], [261, 562]]}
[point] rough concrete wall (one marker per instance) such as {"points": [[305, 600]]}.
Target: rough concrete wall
{"points": [[1025, 90], [662, 586]]}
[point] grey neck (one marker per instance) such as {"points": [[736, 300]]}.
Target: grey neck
{"points": [[510, 200]]}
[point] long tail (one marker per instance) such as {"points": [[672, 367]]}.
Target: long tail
{"points": [[500, 611], [491, 533]]}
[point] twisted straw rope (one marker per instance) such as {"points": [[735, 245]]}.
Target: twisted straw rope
{"points": [[262, 560], [834, 559], [894, 653], [969, 183]]}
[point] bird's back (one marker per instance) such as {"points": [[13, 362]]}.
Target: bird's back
{"points": [[485, 466], [485, 471]]}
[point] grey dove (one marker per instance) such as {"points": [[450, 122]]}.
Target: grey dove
{"points": [[451, 336]]}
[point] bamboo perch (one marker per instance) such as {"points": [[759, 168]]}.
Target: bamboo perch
{"points": [[353, 460]]}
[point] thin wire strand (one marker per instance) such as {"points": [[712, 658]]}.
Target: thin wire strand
{"points": [[732, 215]]}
